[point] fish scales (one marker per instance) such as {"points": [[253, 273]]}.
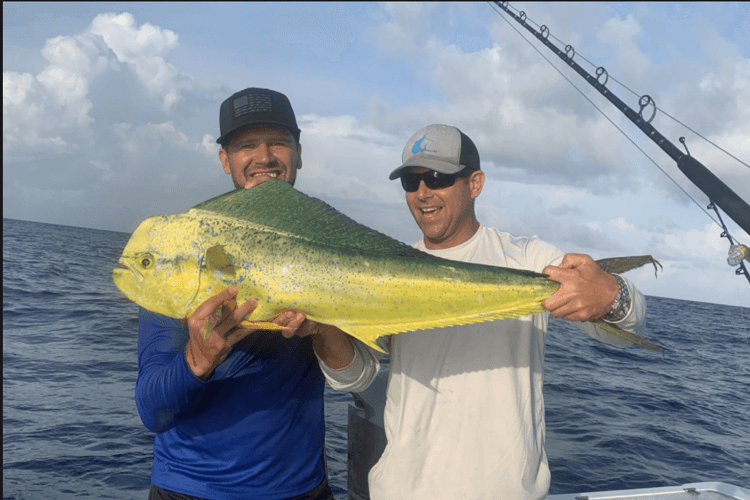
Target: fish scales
{"points": [[354, 289], [294, 252]]}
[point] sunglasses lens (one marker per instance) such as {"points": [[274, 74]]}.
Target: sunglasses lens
{"points": [[410, 182], [439, 181]]}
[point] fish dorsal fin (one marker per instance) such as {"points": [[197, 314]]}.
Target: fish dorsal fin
{"points": [[278, 206]]}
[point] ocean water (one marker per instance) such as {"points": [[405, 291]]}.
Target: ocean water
{"points": [[616, 419]]}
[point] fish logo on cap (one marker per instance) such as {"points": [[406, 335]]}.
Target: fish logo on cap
{"points": [[419, 148]]}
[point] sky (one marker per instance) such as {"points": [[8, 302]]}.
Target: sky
{"points": [[110, 115]]}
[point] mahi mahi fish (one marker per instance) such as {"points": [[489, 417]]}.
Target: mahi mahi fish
{"points": [[294, 252]]}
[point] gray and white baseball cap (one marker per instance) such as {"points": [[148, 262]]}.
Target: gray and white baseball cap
{"points": [[441, 148]]}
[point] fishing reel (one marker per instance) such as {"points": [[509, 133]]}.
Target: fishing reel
{"points": [[738, 253]]}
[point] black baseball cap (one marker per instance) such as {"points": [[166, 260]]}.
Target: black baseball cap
{"points": [[254, 106]]}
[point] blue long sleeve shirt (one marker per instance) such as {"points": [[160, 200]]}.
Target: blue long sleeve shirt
{"points": [[254, 429]]}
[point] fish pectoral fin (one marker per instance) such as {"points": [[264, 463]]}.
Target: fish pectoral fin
{"points": [[262, 325], [218, 260]]}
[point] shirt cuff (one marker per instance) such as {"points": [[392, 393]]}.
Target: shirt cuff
{"points": [[358, 374]]}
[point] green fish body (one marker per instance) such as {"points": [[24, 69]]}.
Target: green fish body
{"points": [[294, 252]]}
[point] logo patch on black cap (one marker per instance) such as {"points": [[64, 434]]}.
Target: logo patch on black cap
{"points": [[252, 104]]}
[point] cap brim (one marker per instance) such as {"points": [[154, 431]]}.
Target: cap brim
{"points": [[432, 163]]}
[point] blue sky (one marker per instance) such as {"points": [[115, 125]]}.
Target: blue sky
{"points": [[110, 113]]}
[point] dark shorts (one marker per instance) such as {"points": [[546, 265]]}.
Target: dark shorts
{"points": [[321, 492]]}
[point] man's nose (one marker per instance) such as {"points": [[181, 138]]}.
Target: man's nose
{"points": [[423, 191], [263, 153]]}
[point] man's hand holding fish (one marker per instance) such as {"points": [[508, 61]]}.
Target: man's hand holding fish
{"points": [[220, 316], [580, 296], [331, 345]]}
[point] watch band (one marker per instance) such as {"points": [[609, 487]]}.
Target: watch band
{"points": [[621, 305]]}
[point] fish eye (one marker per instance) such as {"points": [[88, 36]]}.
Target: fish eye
{"points": [[146, 261]]}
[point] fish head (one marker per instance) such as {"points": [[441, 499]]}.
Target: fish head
{"points": [[161, 265]]}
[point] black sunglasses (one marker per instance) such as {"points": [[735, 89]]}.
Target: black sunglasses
{"points": [[432, 179]]}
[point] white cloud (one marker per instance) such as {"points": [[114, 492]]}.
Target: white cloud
{"points": [[73, 63], [107, 174], [343, 156], [145, 47], [501, 104], [23, 118], [159, 150], [621, 225], [623, 35], [16, 87], [96, 105], [208, 146], [696, 243], [131, 43], [328, 29], [402, 30], [45, 110]]}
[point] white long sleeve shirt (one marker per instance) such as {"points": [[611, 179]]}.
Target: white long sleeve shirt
{"points": [[464, 415]]}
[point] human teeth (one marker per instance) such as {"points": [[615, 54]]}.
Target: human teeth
{"points": [[270, 174], [428, 210]]}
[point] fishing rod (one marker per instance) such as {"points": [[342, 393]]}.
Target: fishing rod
{"points": [[719, 194]]}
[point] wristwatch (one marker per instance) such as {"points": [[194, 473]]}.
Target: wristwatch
{"points": [[621, 305]]}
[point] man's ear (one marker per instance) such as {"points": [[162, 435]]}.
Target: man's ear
{"points": [[224, 159], [476, 183]]}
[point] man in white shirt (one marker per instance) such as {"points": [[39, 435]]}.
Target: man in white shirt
{"points": [[464, 415]]}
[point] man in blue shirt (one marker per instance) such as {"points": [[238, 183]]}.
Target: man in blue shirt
{"points": [[239, 415]]}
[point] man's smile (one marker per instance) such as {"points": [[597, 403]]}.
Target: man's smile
{"points": [[273, 174], [429, 211]]}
